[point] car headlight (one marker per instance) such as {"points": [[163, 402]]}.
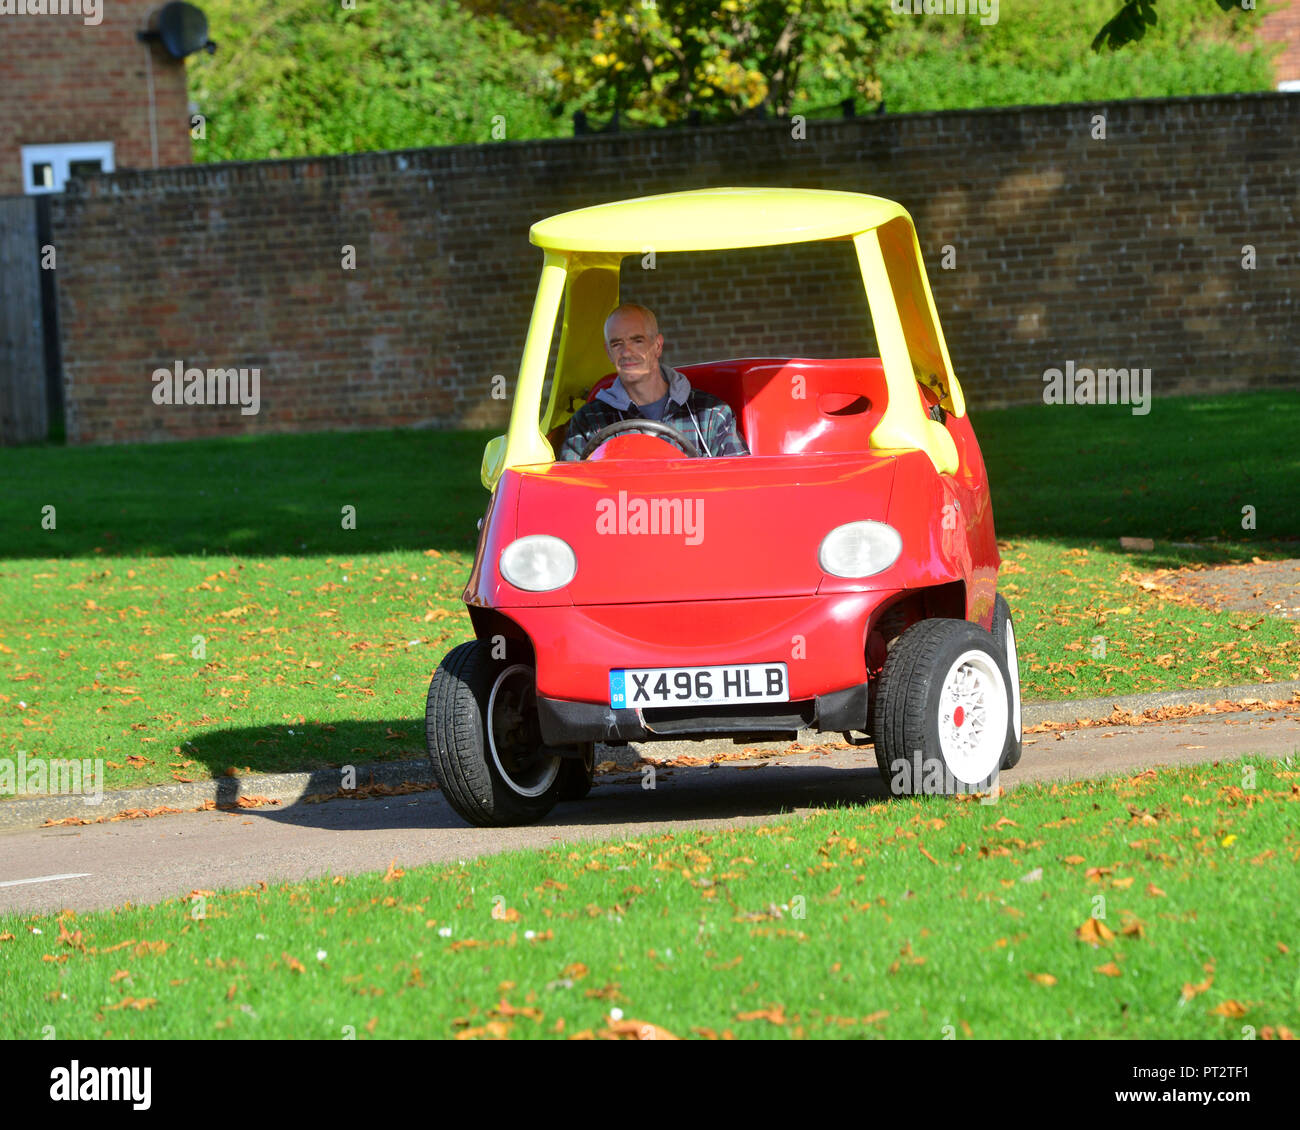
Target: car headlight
{"points": [[859, 549], [538, 563]]}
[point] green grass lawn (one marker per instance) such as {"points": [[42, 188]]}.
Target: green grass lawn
{"points": [[201, 607], [1183, 473], [1127, 907]]}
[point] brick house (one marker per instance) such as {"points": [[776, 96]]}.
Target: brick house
{"points": [[82, 91], [1282, 25]]}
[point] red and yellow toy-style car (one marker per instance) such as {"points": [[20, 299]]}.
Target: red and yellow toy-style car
{"points": [[840, 577]]}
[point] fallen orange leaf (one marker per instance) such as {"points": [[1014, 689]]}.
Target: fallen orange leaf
{"points": [[1133, 928], [776, 1014], [493, 1029], [1094, 932], [635, 1030], [505, 1008], [131, 1002], [1234, 1010]]}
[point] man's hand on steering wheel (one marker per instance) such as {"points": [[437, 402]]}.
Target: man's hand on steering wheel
{"points": [[653, 427]]}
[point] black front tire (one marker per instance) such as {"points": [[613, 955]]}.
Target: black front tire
{"points": [[459, 739], [578, 774], [942, 710]]}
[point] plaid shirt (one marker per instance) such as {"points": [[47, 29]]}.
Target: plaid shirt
{"points": [[701, 417]]}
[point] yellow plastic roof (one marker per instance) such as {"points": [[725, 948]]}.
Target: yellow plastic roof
{"points": [[710, 219]]}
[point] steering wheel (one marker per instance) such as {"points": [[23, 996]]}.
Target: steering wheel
{"points": [[653, 427]]}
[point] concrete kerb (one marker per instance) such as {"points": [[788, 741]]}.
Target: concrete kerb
{"points": [[292, 788], [287, 788], [1095, 709]]}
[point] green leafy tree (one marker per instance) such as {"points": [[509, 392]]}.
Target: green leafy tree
{"points": [[656, 63]]}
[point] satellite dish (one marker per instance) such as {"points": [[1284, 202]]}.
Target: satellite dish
{"points": [[182, 28]]}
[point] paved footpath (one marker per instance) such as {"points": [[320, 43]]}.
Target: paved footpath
{"points": [[146, 860]]}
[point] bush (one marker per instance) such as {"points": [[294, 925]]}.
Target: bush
{"points": [[929, 83], [296, 78], [1039, 51]]}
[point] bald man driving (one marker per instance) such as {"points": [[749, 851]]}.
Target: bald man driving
{"points": [[648, 389]]}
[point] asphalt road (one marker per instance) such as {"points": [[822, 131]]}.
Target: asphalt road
{"points": [[146, 860]]}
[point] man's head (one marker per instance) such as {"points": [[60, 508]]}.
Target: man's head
{"points": [[634, 344]]}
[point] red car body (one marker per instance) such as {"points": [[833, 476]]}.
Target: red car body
{"points": [[751, 590]]}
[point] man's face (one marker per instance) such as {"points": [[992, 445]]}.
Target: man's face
{"points": [[633, 349]]}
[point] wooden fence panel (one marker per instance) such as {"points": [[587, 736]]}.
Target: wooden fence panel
{"points": [[23, 410]]}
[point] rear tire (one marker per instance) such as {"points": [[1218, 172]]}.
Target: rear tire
{"points": [[1004, 637], [484, 740], [577, 774], [942, 710]]}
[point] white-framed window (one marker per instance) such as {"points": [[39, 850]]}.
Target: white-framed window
{"points": [[1289, 86], [46, 168]]}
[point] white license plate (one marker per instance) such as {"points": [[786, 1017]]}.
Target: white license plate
{"points": [[698, 686]]}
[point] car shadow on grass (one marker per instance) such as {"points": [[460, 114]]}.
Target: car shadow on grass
{"points": [[303, 747]]}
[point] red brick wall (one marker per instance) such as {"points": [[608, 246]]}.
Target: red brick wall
{"points": [[1282, 25], [63, 80], [1120, 252]]}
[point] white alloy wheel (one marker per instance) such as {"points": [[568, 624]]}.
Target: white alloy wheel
{"points": [[973, 717]]}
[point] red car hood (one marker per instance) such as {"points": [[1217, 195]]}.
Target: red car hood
{"points": [[648, 530]]}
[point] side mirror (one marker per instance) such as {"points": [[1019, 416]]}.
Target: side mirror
{"points": [[494, 461]]}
